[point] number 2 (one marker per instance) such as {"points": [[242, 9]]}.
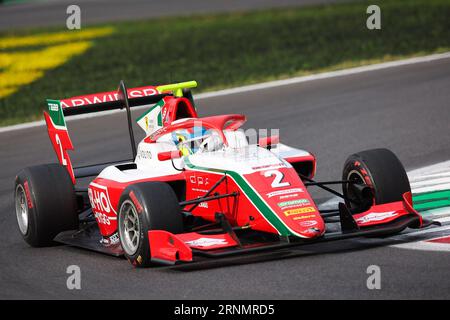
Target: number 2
{"points": [[58, 142], [276, 183]]}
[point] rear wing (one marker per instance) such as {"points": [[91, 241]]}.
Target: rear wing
{"points": [[97, 102]]}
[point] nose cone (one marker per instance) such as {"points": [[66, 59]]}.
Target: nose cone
{"points": [[303, 222], [313, 232], [289, 203]]}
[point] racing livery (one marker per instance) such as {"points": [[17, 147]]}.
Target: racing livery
{"points": [[195, 189]]}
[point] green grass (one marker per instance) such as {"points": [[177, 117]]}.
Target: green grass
{"points": [[227, 50]]}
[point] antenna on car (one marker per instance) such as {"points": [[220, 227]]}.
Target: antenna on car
{"points": [[123, 96]]}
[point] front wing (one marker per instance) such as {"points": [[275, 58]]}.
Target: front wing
{"points": [[378, 221]]}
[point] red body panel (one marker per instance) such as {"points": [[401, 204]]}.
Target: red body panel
{"points": [[104, 195], [289, 200]]}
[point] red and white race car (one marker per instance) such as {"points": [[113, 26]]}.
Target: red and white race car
{"points": [[195, 188]]}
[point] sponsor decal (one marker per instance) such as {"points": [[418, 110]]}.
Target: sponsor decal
{"points": [[293, 203], [27, 194], [157, 132], [277, 165], [100, 203], [376, 216], [203, 205], [284, 192], [294, 195], [102, 218], [164, 113], [199, 180], [308, 216], [144, 154], [111, 240], [99, 199], [106, 97], [206, 242], [136, 202], [292, 212], [308, 223], [114, 239], [53, 107]]}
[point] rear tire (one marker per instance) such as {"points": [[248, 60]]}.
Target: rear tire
{"points": [[45, 203], [381, 171], [144, 207]]}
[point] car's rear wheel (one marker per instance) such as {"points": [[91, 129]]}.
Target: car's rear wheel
{"points": [[378, 177], [45, 203], [144, 207]]}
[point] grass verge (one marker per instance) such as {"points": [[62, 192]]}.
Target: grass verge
{"points": [[227, 50]]}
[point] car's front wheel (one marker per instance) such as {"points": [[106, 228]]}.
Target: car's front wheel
{"points": [[144, 207], [378, 171]]}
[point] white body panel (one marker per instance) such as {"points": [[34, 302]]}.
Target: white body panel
{"points": [[238, 156]]}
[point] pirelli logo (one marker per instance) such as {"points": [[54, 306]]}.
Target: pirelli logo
{"points": [[293, 212]]}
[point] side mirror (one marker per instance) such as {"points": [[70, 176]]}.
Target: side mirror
{"points": [[168, 155], [268, 142]]}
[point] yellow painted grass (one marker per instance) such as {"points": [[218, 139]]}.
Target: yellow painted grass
{"points": [[20, 68], [45, 39]]}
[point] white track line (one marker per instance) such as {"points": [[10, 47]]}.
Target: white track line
{"points": [[431, 188], [430, 178], [262, 86], [424, 246], [442, 168]]}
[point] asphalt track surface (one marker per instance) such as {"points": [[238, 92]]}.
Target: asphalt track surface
{"points": [[404, 108], [53, 12]]}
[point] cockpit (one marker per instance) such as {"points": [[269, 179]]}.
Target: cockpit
{"points": [[198, 135]]}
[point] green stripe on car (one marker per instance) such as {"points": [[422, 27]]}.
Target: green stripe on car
{"points": [[252, 195]]}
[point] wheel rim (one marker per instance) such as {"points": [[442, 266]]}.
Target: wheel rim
{"points": [[22, 209], [129, 228]]}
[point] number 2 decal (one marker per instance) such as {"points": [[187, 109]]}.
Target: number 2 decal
{"points": [[58, 142], [276, 183]]}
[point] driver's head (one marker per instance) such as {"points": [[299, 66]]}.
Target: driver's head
{"points": [[182, 145]]}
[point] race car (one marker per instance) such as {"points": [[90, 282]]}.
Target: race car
{"points": [[195, 188]]}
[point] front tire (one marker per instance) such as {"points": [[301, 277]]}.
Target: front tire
{"points": [[45, 203], [381, 171], [144, 207]]}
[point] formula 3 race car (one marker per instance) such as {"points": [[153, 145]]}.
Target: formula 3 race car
{"points": [[196, 189]]}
